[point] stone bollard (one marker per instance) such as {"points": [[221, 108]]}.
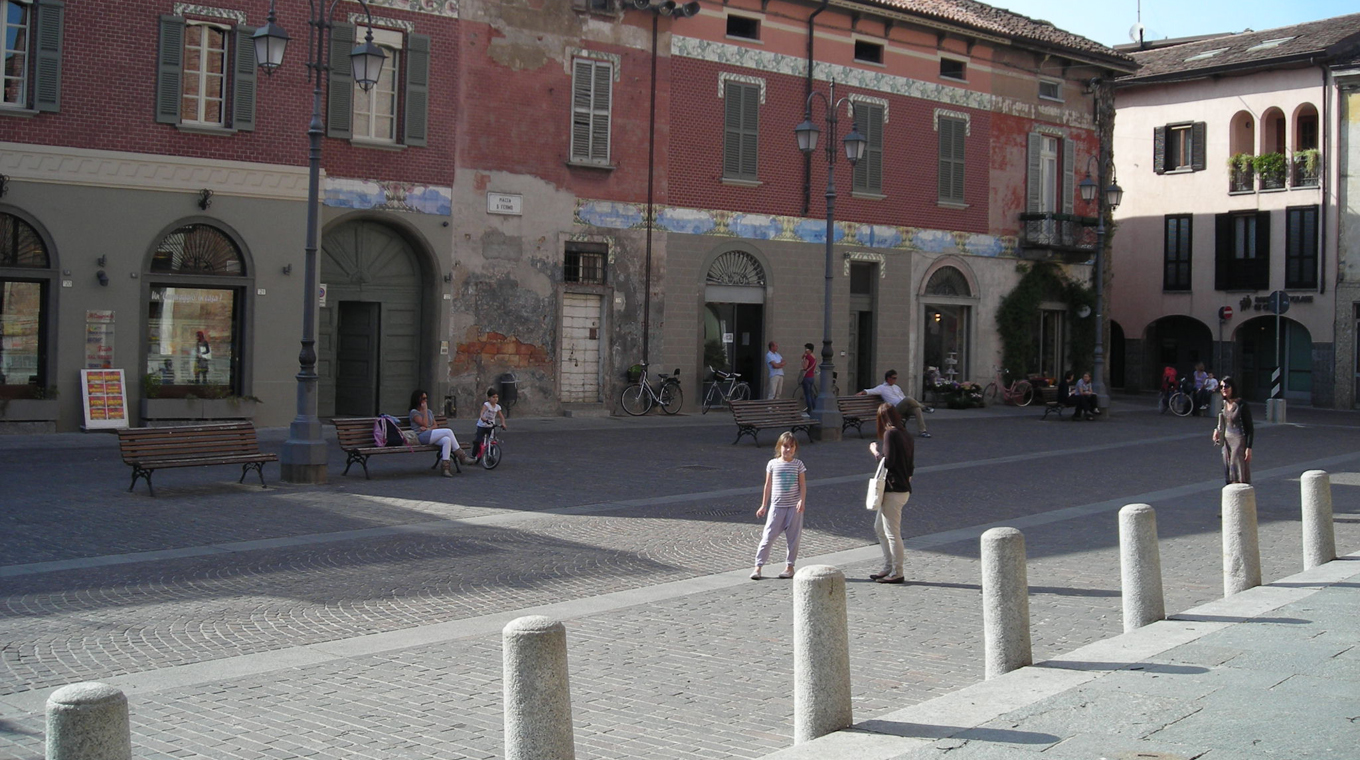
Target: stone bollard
{"points": [[88, 721], [1241, 549], [1005, 601], [1319, 534], [821, 653], [537, 696], [1140, 567]]}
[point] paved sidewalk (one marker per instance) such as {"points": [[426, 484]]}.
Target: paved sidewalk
{"points": [[1272, 672]]}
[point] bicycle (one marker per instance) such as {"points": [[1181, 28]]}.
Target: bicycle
{"points": [[735, 390], [1182, 401], [1017, 393], [639, 398], [490, 452]]}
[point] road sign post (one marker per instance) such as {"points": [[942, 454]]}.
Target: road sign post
{"points": [[1275, 405]]}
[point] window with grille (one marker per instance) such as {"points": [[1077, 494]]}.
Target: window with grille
{"points": [[1176, 253], [591, 92], [584, 263]]}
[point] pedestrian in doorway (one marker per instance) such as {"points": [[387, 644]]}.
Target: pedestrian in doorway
{"points": [[775, 363], [1234, 433], [202, 356], [897, 451], [891, 393], [809, 367], [785, 499]]}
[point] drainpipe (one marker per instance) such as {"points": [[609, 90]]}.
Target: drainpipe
{"points": [[807, 91], [1322, 176]]}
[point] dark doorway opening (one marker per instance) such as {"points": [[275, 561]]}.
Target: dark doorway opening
{"points": [[356, 359]]}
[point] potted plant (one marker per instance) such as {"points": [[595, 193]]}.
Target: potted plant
{"points": [[1271, 168], [1306, 164]]}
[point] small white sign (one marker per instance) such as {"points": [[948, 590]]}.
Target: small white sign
{"points": [[504, 203], [321, 296], [727, 337]]}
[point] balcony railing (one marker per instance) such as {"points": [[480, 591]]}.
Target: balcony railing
{"points": [[1049, 235], [1242, 180], [1306, 170]]}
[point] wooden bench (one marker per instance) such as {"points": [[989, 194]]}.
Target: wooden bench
{"points": [[356, 440], [149, 449], [857, 410], [1049, 396], [753, 416]]}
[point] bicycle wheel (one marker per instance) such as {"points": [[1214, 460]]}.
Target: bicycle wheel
{"points": [[671, 398], [710, 399], [1022, 392], [989, 394], [636, 400], [1181, 404], [741, 392], [492, 455]]}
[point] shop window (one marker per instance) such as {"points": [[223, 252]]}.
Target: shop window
{"points": [[24, 289], [194, 316]]}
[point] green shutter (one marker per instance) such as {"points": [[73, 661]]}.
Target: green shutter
{"points": [[580, 110], [1069, 160], [1034, 179], [600, 104], [243, 80], [340, 87], [1197, 133], [1159, 150], [47, 58], [170, 70], [741, 130], [868, 176], [416, 125], [950, 182], [750, 130], [732, 102]]}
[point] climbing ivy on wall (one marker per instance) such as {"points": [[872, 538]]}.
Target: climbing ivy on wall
{"points": [[1018, 318]]}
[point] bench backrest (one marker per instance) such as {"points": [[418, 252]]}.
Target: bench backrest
{"points": [[187, 441], [1049, 394], [357, 432], [859, 406], [766, 410]]}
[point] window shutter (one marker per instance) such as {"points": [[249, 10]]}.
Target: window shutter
{"points": [[1069, 160], [960, 129], [946, 160], [874, 154], [47, 58], [750, 130], [580, 110], [243, 80], [1159, 150], [340, 87], [1197, 146], [599, 122], [1034, 198], [170, 73], [732, 103], [1223, 250], [1261, 266], [416, 129]]}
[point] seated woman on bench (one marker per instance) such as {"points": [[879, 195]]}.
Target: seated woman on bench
{"points": [[422, 422], [1082, 404]]}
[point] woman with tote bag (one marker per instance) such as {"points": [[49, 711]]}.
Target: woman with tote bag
{"points": [[897, 454]]}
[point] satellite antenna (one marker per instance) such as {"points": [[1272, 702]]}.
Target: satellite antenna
{"points": [[1136, 33]]}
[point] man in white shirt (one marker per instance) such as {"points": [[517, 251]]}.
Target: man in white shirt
{"points": [[776, 364], [891, 393]]}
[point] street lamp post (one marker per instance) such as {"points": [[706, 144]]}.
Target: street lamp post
{"points": [[304, 453], [1111, 197], [825, 412]]}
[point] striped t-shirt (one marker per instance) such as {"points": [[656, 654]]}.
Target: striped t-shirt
{"points": [[784, 482]]}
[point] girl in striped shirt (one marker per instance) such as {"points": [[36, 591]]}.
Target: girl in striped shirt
{"points": [[786, 497]]}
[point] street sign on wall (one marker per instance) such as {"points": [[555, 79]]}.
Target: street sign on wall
{"points": [[1225, 313]]}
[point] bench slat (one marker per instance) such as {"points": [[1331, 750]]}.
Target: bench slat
{"points": [[146, 450]]}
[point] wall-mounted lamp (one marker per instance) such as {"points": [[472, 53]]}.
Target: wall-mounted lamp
{"points": [[4, 185], [102, 262], [103, 278], [448, 277], [288, 269], [205, 198]]}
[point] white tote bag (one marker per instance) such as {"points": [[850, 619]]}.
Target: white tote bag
{"points": [[873, 499]]}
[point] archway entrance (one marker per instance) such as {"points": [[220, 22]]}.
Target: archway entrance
{"points": [[947, 302], [371, 337], [1180, 342], [1256, 347], [734, 317]]}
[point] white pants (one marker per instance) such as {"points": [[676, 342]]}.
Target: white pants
{"points": [[888, 526], [776, 385], [441, 437]]}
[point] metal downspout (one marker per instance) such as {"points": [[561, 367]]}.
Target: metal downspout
{"points": [[1322, 178], [807, 91]]}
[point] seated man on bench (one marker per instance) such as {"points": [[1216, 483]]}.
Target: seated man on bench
{"points": [[1068, 396], [892, 394]]}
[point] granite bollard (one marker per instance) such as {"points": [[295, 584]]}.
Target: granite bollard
{"points": [[1140, 567], [537, 694], [1241, 547], [1319, 534], [821, 653], [1005, 602], [88, 721]]}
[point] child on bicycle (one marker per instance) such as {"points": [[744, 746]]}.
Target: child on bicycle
{"points": [[1169, 382], [491, 412], [785, 496]]}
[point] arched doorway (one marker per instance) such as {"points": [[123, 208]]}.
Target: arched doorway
{"points": [[947, 306], [1256, 349], [372, 334], [1180, 342], [734, 316], [1115, 353], [27, 272]]}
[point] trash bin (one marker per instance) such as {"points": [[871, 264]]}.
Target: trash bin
{"points": [[508, 390]]}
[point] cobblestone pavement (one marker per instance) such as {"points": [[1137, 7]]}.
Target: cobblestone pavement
{"points": [[361, 618]]}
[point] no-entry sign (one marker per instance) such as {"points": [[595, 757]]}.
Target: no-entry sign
{"points": [[1225, 313]]}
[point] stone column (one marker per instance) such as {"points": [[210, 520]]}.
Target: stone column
{"points": [[1005, 601], [88, 721], [821, 653], [1140, 566], [537, 697], [1319, 534], [1241, 549]]}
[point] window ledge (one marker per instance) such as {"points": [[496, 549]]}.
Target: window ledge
{"points": [[1314, 186], [953, 205], [205, 129], [363, 142], [742, 182], [752, 40], [591, 165], [1051, 100], [1274, 190], [25, 113], [1182, 170], [1178, 292], [953, 79], [1241, 192], [868, 196]]}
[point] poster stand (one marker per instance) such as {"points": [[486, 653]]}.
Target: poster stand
{"points": [[104, 398]]}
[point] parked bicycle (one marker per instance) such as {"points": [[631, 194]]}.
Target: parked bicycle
{"points": [[490, 452], [726, 388], [639, 398], [1182, 400], [1017, 392]]}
